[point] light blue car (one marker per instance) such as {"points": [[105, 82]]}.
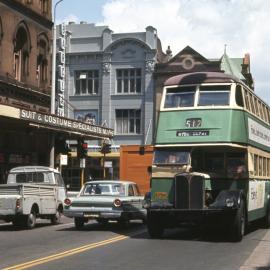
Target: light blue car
{"points": [[106, 200]]}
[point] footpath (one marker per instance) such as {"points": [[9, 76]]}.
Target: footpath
{"points": [[260, 258]]}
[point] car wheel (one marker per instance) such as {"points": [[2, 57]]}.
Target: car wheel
{"points": [[123, 223], [79, 222], [56, 219], [154, 227], [239, 223], [103, 221], [30, 220]]}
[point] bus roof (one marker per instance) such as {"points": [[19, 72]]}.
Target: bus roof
{"points": [[201, 77]]}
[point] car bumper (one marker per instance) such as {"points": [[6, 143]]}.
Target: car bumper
{"points": [[94, 214]]}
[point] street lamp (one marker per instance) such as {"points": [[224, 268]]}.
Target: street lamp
{"points": [[52, 146]]}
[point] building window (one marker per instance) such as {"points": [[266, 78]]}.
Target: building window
{"points": [[86, 82], [129, 81], [42, 61], [128, 121], [44, 6], [21, 53]]}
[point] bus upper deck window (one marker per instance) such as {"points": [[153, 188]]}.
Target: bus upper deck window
{"points": [[238, 96], [180, 97], [214, 95]]}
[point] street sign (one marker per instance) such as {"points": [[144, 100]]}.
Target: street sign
{"points": [[82, 162], [108, 164], [63, 160]]}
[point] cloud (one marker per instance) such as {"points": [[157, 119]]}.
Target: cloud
{"points": [[205, 25], [67, 19]]}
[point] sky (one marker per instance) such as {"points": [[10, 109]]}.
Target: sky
{"points": [[204, 25]]}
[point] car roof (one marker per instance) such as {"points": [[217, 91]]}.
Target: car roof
{"points": [[110, 182]]}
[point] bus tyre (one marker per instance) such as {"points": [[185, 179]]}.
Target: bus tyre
{"points": [[155, 228], [79, 222], [239, 223], [266, 219]]}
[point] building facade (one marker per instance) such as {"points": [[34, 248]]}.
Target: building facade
{"points": [[25, 61], [28, 131], [109, 81]]}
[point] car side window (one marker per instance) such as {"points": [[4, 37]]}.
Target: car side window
{"points": [[136, 190], [130, 191]]}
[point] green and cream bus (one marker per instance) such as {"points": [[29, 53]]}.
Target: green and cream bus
{"points": [[211, 155]]}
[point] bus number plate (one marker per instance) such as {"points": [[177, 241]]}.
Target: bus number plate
{"points": [[193, 122]]}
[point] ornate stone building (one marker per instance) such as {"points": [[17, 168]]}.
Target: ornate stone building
{"points": [[109, 80], [27, 129]]}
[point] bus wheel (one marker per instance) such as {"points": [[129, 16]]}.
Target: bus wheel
{"points": [[239, 223], [266, 219], [155, 229]]}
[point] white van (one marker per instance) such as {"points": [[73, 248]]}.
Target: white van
{"points": [[32, 192]]}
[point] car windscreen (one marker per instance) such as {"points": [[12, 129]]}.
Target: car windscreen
{"points": [[167, 157], [104, 189]]}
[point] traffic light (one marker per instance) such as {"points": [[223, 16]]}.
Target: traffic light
{"points": [[106, 148], [82, 149], [61, 146]]}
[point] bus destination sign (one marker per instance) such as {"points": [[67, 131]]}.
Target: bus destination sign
{"points": [[190, 133]]}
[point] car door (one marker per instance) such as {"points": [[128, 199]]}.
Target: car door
{"points": [[136, 200]]}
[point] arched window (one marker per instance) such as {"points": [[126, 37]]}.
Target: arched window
{"points": [[22, 49], [42, 58]]}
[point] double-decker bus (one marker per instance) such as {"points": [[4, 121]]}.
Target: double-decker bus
{"points": [[211, 155]]}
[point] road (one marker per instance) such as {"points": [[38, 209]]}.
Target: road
{"points": [[62, 247]]}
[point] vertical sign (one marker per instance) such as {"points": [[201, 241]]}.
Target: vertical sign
{"points": [[60, 71]]}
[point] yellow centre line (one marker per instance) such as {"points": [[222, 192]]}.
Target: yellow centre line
{"points": [[65, 253]]}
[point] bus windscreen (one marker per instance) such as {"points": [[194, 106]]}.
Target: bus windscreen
{"points": [[171, 157], [180, 97]]}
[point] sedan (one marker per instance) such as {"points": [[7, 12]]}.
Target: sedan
{"points": [[106, 200]]}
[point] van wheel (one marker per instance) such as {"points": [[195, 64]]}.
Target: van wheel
{"points": [[79, 222], [30, 220], [239, 223], [56, 219]]}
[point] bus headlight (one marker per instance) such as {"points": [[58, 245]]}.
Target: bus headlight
{"points": [[230, 202]]}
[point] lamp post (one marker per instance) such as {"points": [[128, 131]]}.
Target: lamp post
{"points": [[52, 152]]}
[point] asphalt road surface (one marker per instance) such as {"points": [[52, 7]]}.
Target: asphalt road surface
{"points": [[62, 247]]}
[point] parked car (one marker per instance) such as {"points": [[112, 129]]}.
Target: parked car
{"points": [[106, 200], [31, 192]]}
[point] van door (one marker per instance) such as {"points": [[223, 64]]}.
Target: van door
{"points": [[61, 189]]}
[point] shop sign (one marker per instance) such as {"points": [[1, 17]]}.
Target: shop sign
{"points": [[68, 124]]}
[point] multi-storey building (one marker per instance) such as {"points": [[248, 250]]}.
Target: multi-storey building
{"points": [[109, 81], [27, 127]]}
